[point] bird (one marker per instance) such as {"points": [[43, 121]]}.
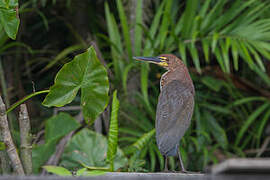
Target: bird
{"points": [[175, 105]]}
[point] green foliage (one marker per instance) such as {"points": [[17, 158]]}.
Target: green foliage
{"points": [[217, 131], [95, 164], [9, 20], [87, 148], [2, 146], [54, 130], [212, 83], [62, 55], [120, 63], [140, 143], [85, 172], [41, 154], [116, 45], [250, 120], [54, 126], [58, 170], [228, 27], [125, 28], [138, 138], [85, 72], [202, 32], [138, 28], [113, 132]]}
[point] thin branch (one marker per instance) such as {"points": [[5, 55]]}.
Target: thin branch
{"points": [[54, 159], [264, 147], [26, 148], [10, 147], [98, 124], [255, 151], [37, 137]]}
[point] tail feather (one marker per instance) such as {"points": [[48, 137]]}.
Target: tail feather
{"points": [[167, 146]]}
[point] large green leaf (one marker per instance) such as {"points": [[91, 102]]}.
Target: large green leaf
{"points": [[85, 72], [113, 132], [8, 17], [88, 148], [54, 128]]}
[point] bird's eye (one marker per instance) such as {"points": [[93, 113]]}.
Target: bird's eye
{"points": [[163, 59]]}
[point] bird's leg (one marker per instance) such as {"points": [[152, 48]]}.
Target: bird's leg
{"points": [[166, 164], [181, 162]]}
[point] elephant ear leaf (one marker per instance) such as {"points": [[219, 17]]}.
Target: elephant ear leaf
{"points": [[85, 73]]}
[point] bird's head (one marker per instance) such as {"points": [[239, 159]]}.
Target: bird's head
{"points": [[168, 61]]}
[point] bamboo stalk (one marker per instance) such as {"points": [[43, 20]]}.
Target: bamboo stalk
{"points": [[7, 139], [26, 148]]}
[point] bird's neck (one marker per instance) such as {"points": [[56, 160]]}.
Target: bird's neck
{"points": [[180, 74]]}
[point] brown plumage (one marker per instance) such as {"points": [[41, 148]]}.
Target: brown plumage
{"points": [[175, 104]]}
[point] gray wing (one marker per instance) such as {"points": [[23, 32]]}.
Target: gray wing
{"points": [[174, 112]]}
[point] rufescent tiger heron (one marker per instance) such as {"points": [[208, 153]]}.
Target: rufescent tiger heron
{"points": [[175, 105]]}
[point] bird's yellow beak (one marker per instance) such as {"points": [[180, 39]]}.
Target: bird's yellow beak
{"points": [[157, 60]]}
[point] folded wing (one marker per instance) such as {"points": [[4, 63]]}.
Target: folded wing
{"points": [[174, 112]]}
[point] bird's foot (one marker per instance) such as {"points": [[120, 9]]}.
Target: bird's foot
{"points": [[186, 172]]}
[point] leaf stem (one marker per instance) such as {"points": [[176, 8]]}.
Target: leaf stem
{"points": [[25, 98]]}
